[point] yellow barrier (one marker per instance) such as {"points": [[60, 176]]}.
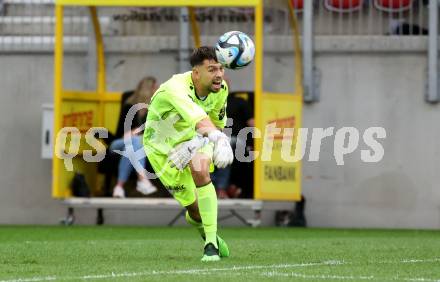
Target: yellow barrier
{"points": [[279, 178], [278, 106]]}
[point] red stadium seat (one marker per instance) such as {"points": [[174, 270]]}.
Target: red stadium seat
{"points": [[298, 5], [393, 5], [343, 5]]}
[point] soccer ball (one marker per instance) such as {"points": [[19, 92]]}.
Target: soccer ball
{"points": [[235, 50]]}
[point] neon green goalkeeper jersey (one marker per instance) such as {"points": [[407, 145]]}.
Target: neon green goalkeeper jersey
{"points": [[174, 111]]}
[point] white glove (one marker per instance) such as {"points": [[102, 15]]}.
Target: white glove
{"points": [[182, 154], [223, 155]]}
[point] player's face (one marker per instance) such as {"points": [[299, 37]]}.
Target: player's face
{"points": [[211, 75]]}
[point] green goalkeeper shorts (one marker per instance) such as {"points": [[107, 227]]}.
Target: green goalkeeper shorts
{"points": [[179, 183]]}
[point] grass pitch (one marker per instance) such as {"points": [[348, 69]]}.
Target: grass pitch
{"points": [[173, 254]]}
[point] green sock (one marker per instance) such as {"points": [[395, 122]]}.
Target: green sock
{"points": [[194, 223], [207, 200]]}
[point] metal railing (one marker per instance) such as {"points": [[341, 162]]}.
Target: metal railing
{"points": [[27, 20], [26, 25], [370, 17]]}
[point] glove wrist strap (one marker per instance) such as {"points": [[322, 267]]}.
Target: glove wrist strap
{"points": [[215, 135]]}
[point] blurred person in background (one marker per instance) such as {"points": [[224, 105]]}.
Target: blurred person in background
{"points": [[240, 115], [143, 93]]}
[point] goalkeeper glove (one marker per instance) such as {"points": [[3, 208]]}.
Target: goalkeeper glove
{"points": [[182, 154], [223, 155]]}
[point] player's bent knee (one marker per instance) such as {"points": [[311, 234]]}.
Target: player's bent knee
{"points": [[201, 178], [200, 170]]}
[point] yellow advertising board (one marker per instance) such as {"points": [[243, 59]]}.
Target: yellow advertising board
{"points": [[277, 176], [81, 111]]}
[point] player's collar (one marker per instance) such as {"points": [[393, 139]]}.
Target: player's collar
{"points": [[200, 98]]}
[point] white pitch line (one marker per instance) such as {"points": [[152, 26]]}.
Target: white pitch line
{"points": [[307, 276], [418, 279], [420, 260], [342, 277], [234, 268], [173, 272], [32, 279]]}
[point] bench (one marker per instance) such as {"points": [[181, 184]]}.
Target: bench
{"points": [[232, 206]]}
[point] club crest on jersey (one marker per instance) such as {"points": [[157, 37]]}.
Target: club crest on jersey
{"points": [[222, 113]]}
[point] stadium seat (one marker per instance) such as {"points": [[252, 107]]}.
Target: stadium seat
{"points": [[343, 5], [393, 5], [298, 5]]}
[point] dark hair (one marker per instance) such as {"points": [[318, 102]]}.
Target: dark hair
{"points": [[202, 53]]}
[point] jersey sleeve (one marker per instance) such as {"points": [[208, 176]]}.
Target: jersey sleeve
{"points": [[218, 114], [186, 107]]}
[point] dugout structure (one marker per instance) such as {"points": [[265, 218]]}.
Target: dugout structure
{"points": [[275, 179]]}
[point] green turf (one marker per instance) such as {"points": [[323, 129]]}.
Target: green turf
{"points": [[173, 254]]}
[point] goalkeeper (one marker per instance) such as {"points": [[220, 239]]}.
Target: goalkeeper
{"points": [[183, 136]]}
